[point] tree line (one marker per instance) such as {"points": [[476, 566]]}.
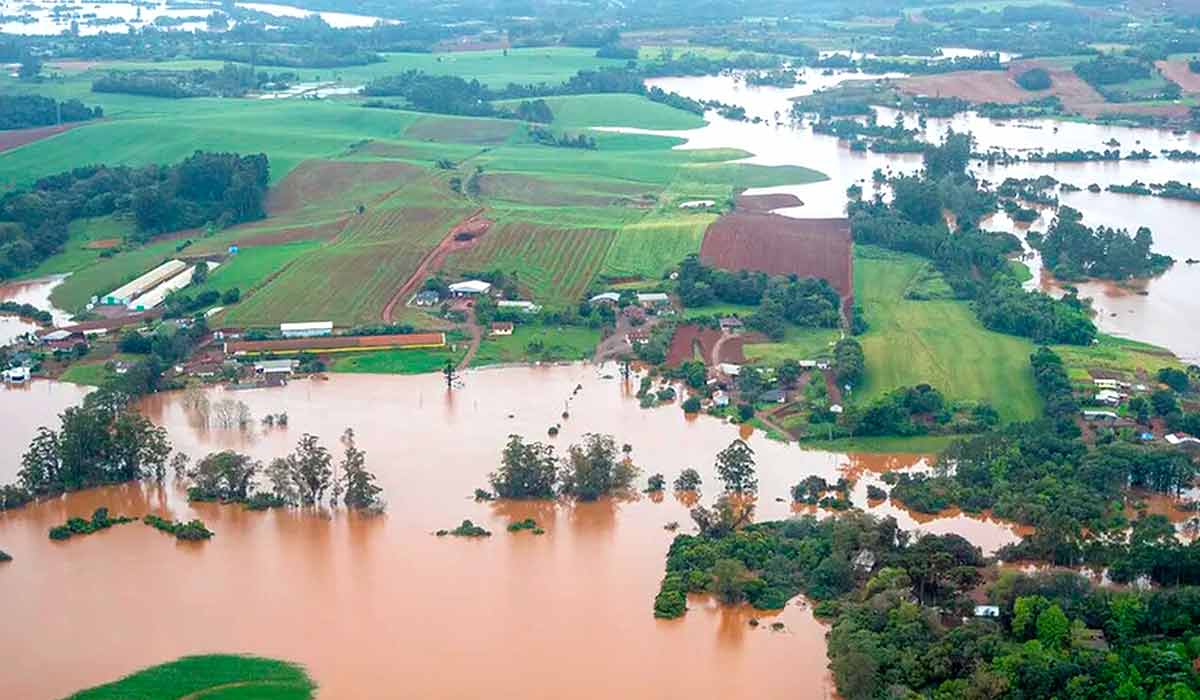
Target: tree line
{"points": [[1073, 251], [26, 111], [221, 189], [233, 80]]}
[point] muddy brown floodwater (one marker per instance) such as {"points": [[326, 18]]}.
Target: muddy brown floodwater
{"points": [[380, 607]]}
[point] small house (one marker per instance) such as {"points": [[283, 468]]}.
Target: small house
{"points": [[988, 611], [729, 369], [1094, 416], [275, 367], [501, 328], [637, 336], [427, 298], [732, 324], [720, 399], [837, 409], [1109, 397], [1106, 383], [16, 375], [773, 396], [308, 329], [470, 288]]}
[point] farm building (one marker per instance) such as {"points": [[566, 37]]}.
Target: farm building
{"points": [[268, 367], [470, 288], [606, 298], [158, 295], [1181, 439], [731, 324], [780, 245], [1099, 415], [730, 369], [773, 396], [637, 336], [332, 344], [521, 305], [123, 295], [1108, 397], [720, 399], [501, 328], [307, 329], [654, 300], [987, 611]]}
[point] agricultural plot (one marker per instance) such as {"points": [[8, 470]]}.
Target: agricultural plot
{"points": [[939, 343], [797, 344], [351, 280], [481, 132], [538, 343], [616, 110], [650, 247], [562, 191], [253, 266], [554, 265]]}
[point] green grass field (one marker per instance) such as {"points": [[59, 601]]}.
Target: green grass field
{"points": [[86, 373], [797, 344], [617, 110], [1115, 355], [939, 343], [416, 361], [558, 343], [224, 677], [656, 244]]}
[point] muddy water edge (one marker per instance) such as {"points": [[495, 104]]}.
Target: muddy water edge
{"points": [[379, 607]]}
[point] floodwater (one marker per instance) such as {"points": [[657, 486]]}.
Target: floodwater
{"points": [[376, 607], [1158, 310], [36, 292]]}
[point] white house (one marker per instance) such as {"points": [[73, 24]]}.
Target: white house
{"points": [[307, 329], [1109, 397], [269, 367], [527, 307], [470, 288], [653, 299], [1099, 415], [730, 369], [720, 399], [1107, 383], [606, 298], [16, 375], [987, 611]]}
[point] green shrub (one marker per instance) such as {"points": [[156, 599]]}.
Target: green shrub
{"points": [[526, 524]]}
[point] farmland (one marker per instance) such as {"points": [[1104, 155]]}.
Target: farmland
{"points": [[531, 343], [939, 343], [654, 244]]}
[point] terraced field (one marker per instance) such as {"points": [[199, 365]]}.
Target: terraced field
{"points": [[555, 265]]}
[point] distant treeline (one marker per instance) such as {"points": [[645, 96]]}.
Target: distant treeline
{"points": [[25, 111], [232, 80], [207, 188], [447, 94]]}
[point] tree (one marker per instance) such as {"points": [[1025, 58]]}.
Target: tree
{"points": [[1053, 628], [31, 66], [361, 492], [200, 273], [1175, 378], [788, 372], [729, 579], [527, 470], [592, 469], [40, 464], [688, 480], [735, 467], [311, 469], [223, 476], [283, 486]]}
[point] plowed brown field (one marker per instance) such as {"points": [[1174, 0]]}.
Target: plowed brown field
{"points": [[778, 245]]}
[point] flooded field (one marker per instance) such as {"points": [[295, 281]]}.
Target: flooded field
{"points": [[35, 292], [379, 606], [1154, 311]]}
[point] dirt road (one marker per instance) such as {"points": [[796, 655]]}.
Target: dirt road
{"points": [[476, 223]]}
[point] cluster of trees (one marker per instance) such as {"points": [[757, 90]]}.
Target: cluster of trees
{"points": [[808, 302], [233, 80], [1110, 70], [589, 470], [102, 441], [1072, 250], [546, 137], [972, 261], [917, 410], [1034, 79], [28, 311], [849, 362], [206, 188], [303, 478], [25, 111]]}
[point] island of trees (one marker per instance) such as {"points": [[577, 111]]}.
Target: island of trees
{"points": [[1074, 251]]}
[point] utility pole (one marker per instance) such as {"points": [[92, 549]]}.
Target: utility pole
{"points": [[449, 372]]}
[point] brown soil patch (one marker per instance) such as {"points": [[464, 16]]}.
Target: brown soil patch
{"points": [[16, 138], [103, 244], [316, 180], [694, 342], [767, 202], [999, 86], [1178, 72], [779, 245]]}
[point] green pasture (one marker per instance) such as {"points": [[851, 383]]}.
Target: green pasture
{"points": [[797, 344], [226, 677], [532, 343], [414, 361]]}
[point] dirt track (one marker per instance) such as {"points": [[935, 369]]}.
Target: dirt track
{"points": [[19, 137], [476, 224]]}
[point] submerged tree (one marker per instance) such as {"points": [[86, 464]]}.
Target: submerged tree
{"points": [[527, 470], [592, 469], [361, 492], [735, 467], [223, 476]]}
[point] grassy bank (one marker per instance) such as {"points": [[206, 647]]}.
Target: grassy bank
{"points": [[222, 676], [538, 344]]}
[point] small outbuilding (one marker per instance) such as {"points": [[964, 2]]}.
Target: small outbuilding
{"points": [[606, 298], [501, 328], [470, 288], [307, 329]]}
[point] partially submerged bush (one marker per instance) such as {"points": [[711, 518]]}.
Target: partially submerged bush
{"points": [[78, 526], [688, 480], [655, 483], [526, 524], [191, 531], [466, 529]]}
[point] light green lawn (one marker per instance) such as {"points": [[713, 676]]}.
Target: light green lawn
{"points": [[939, 343], [1115, 355], [227, 677], [655, 244], [75, 253], [559, 343], [416, 361], [88, 374], [252, 265], [797, 344], [622, 110]]}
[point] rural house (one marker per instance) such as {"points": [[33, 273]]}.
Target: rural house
{"points": [[501, 328]]}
